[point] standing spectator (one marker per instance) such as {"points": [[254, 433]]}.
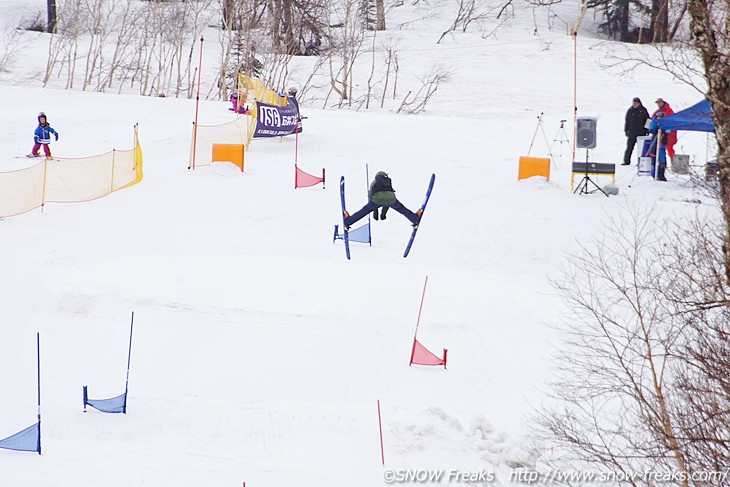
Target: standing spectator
{"points": [[635, 125], [292, 94], [664, 107], [42, 136], [658, 150]]}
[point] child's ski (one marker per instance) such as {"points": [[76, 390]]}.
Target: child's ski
{"points": [[345, 236], [420, 213]]}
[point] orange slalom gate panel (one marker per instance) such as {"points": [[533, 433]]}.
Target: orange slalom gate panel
{"points": [[229, 152], [533, 166]]}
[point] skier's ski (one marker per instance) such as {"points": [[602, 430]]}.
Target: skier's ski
{"points": [[345, 236], [31, 156], [420, 212]]}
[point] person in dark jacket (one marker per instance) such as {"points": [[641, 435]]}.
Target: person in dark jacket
{"points": [[42, 136], [636, 117], [382, 195]]}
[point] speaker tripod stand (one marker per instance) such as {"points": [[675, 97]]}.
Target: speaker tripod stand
{"points": [[582, 187]]}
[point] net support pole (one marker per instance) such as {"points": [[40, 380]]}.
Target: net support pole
{"points": [[197, 104], [111, 179], [129, 358], [380, 428], [45, 178], [38, 362]]}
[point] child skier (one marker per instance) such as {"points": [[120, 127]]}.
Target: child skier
{"points": [[382, 194], [42, 136], [238, 106]]}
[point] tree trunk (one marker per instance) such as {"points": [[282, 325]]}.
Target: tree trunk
{"points": [[51, 7], [660, 20], [380, 14], [717, 73], [288, 26], [623, 21]]}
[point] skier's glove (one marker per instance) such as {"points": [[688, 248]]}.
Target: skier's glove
{"points": [[56, 134]]}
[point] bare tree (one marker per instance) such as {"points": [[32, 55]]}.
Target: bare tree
{"points": [[429, 84], [643, 384], [710, 36], [614, 385], [11, 43], [390, 54], [700, 298], [348, 35], [467, 12]]}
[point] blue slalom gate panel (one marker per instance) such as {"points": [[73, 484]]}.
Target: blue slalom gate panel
{"points": [[116, 404], [360, 234], [27, 440]]}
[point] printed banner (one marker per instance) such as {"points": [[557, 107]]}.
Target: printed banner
{"points": [[275, 121]]}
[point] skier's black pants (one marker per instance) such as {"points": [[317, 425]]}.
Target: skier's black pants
{"points": [[370, 206]]}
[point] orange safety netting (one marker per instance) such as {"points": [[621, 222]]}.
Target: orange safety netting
{"points": [[69, 180], [237, 131]]}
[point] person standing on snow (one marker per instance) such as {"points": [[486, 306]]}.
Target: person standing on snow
{"points": [[635, 125], [382, 194], [42, 136], [658, 150], [292, 95], [671, 136]]}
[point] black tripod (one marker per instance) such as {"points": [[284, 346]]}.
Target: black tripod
{"points": [[583, 185]]}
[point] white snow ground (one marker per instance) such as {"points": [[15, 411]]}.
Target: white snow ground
{"points": [[259, 351]]}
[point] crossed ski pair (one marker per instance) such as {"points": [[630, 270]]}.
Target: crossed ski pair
{"points": [[345, 231]]}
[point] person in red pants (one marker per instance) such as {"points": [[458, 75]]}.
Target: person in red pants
{"points": [[42, 136], [663, 106]]}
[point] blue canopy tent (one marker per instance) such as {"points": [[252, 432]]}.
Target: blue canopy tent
{"points": [[697, 118]]}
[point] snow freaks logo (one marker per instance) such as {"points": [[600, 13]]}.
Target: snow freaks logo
{"points": [[275, 121], [549, 477], [422, 475]]}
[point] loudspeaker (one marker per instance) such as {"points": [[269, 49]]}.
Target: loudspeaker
{"points": [[585, 132]]}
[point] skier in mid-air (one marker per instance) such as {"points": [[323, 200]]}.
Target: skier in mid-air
{"points": [[382, 195], [42, 136]]}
